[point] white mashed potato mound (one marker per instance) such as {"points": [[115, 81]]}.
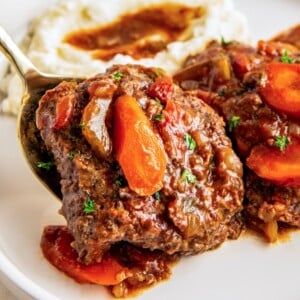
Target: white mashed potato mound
{"points": [[49, 54]]}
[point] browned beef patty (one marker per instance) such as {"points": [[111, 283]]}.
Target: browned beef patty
{"points": [[186, 216], [230, 77]]}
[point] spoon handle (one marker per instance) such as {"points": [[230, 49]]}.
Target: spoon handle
{"points": [[15, 55]]}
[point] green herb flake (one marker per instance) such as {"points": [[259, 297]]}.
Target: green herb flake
{"points": [[45, 165], [190, 142], [233, 123], [81, 126], [281, 142], [286, 58], [71, 155], [224, 42], [157, 195], [187, 176], [89, 205], [120, 181], [158, 102], [158, 117], [118, 76]]}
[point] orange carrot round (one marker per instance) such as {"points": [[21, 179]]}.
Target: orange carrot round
{"points": [[56, 246], [138, 149], [282, 167], [282, 88]]}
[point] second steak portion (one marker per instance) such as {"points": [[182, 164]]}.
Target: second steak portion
{"points": [[264, 126], [199, 204]]}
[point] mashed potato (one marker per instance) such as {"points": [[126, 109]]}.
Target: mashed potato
{"points": [[46, 49]]}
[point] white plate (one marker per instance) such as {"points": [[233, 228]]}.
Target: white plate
{"points": [[243, 269]]}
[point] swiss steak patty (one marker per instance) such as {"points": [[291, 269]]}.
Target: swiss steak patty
{"points": [[231, 77], [199, 204]]}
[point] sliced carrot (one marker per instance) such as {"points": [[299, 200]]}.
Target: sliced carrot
{"points": [[282, 167], [282, 88], [56, 246], [138, 149]]}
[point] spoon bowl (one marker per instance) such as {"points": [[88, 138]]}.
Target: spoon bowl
{"points": [[35, 83]]}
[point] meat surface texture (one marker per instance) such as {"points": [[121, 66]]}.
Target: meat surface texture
{"points": [[200, 201], [233, 80]]}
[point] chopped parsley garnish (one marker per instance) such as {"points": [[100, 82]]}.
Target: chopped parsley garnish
{"points": [[158, 117], [187, 176], [157, 195], [233, 123], [81, 125], [224, 42], [286, 58], [281, 142], [120, 181], [190, 142], [158, 102], [89, 205], [45, 165], [118, 76], [71, 155]]}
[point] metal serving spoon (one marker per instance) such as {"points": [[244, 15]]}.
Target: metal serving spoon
{"points": [[34, 83]]}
